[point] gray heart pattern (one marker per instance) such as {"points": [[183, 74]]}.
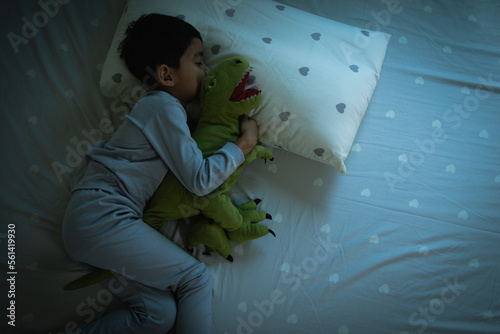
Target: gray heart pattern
{"points": [[117, 77], [316, 36], [304, 70], [215, 49], [341, 107], [319, 151], [284, 116]]}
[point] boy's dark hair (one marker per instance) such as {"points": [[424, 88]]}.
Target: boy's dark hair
{"points": [[155, 39]]}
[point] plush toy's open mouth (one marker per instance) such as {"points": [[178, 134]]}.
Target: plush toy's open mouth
{"points": [[243, 91]]}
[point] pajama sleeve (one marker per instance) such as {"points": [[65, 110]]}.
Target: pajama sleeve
{"points": [[168, 133]]}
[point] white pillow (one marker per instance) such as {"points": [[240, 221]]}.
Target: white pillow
{"points": [[317, 75]]}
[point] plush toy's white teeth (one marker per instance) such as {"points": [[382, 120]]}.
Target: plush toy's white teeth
{"points": [[243, 90], [245, 75], [251, 97], [250, 86]]}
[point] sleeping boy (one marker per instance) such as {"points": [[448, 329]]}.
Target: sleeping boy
{"points": [[103, 227]]}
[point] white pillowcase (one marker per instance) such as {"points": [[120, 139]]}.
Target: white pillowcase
{"points": [[317, 75]]}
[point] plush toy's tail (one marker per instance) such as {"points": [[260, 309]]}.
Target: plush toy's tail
{"points": [[93, 277]]}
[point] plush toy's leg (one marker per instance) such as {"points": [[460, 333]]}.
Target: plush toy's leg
{"points": [[220, 208], [211, 235], [248, 232], [216, 239], [250, 213], [250, 205]]}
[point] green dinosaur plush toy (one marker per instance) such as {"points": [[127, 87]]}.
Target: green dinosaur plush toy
{"points": [[224, 96]]}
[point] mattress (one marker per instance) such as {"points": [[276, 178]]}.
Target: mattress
{"points": [[407, 241]]}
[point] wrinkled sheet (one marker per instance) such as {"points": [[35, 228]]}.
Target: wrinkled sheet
{"points": [[405, 242]]}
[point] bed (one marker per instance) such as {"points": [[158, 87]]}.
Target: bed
{"points": [[404, 240]]}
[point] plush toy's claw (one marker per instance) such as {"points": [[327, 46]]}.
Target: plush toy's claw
{"points": [[272, 232], [257, 201], [268, 216], [229, 258]]}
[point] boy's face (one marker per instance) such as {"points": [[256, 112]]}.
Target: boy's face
{"points": [[190, 73]]}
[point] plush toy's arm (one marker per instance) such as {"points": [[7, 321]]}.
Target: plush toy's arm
{"points": [[258, 151]]}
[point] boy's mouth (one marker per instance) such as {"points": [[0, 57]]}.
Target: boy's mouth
{"points": [[242, 91]]}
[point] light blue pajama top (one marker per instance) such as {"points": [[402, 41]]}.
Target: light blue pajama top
{"points": [[153, 140]]}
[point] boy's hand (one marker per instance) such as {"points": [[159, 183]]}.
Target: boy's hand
{"points": [[249, 127], [249, 134]]}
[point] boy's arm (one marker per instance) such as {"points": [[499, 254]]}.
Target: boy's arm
{"points": [[169, 135]]}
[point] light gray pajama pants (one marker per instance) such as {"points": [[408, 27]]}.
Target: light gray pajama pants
{"points": [[164, 285]]}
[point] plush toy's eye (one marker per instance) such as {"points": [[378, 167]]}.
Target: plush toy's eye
{"points": [[212, 84]]}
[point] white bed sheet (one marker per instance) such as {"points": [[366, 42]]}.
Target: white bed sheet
{"points": [[51, 108], [405, 242]]}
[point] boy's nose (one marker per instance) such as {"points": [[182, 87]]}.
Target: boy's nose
{"points": [[207, 69]]}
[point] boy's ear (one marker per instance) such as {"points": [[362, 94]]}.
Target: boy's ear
{"points": [[164, 75]]}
